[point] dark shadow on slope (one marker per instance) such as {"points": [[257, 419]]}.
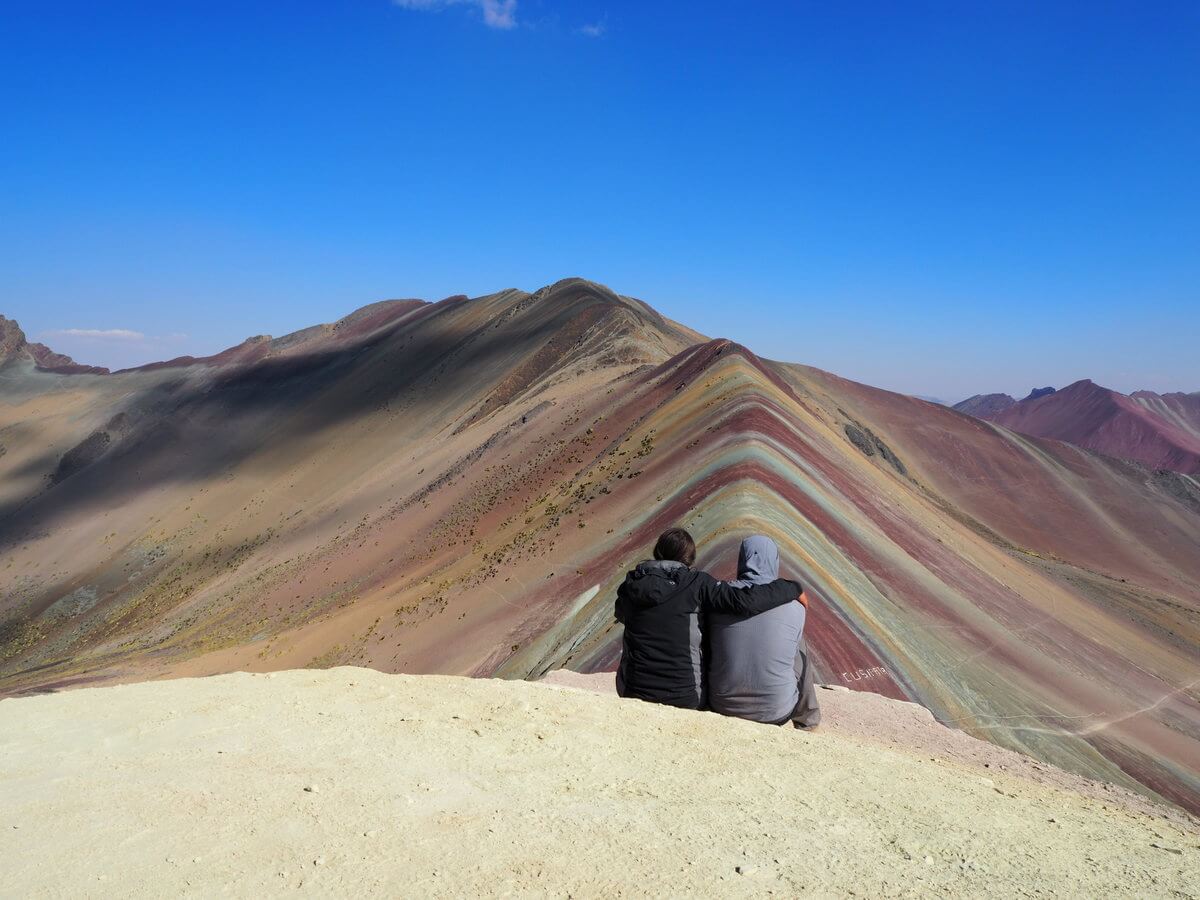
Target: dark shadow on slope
{"points": [[191, 433]]}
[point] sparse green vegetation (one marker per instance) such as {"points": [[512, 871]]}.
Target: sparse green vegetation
{"points": [[17, 635]]}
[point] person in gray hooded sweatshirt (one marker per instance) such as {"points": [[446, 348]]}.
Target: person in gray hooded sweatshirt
{"points": [[758, 667]]}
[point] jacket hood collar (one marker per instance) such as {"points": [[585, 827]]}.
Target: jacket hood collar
{"points": [[667, 568]]}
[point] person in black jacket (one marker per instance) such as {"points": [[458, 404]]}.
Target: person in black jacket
{"points": [[660, 602]]}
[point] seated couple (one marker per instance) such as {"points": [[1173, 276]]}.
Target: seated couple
{"points": [[736, 648]]}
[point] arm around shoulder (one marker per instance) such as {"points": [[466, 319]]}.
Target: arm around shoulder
{"points": [[748, 601]]}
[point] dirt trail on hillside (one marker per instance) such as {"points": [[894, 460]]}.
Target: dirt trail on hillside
{"points": [[349, 780]]}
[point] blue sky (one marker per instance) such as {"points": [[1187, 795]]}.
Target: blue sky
{"points": [[938, 198]]}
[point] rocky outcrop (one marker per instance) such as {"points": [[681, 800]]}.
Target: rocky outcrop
{"points": [[14, 347], [12, 340], [869, 443]]}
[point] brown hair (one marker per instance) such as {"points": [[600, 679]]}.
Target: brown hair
{"points": [[676, 544]]}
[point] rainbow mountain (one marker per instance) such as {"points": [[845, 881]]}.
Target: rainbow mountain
{"points": [[459, 486]]}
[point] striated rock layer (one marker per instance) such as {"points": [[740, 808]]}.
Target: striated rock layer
{"points": [[458, 487]]}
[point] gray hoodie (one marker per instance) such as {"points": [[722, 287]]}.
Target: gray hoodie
{"points": [[751, 661]]}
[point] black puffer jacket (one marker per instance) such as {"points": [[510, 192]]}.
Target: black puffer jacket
{"points": [[659, 604]]}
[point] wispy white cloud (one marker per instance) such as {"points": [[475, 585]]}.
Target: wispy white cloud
{"points": [[111, 336], [594, 29], [96, 334], [117, 348], [500, 14]]}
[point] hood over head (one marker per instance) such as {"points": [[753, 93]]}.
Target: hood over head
{"points": [[758, 561]]}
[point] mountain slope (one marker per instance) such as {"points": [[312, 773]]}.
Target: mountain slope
{"points": [[460, 489]]}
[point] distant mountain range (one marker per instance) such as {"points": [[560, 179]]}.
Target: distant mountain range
{"points": [[1159, 430], [460, 486]]}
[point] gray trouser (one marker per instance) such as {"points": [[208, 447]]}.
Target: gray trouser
{"points": [[807, 712]]}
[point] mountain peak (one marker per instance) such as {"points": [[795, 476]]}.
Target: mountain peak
{"points": [[984, 405]]}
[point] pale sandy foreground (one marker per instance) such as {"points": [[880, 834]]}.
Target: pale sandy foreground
{"points": [[349, 780]]}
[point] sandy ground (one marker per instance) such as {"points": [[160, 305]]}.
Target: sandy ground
{"points": [[349, 780], [911, 728]]}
